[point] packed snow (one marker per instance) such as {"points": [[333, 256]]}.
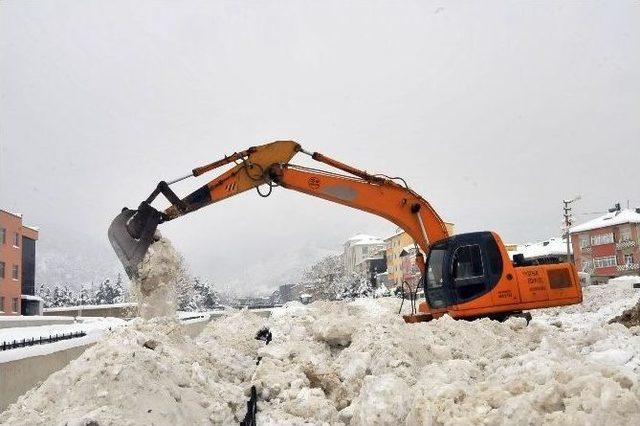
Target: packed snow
{"points": [[357, 363]]}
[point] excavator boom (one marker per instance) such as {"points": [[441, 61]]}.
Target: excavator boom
{"points": [[131, 232]]}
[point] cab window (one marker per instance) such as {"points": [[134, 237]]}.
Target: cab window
{"points": [[467, 263], [434, 268]]}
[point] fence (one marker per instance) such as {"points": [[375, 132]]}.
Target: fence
{"points": [[40, 340]]}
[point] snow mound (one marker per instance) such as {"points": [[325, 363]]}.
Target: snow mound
{"points": [[150, 373], [359, 363]]}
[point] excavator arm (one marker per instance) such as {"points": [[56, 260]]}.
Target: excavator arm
{"points": [[268, 166]]}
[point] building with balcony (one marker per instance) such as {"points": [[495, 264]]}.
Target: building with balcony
{"points": [[359, 248], [607, 246], [17, 266], [372, 265]]}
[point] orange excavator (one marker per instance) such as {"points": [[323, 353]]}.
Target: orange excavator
{"points": [[464, 275]]}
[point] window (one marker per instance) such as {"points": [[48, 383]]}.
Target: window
{"points": [[587, 266], [605, 262], [3, 235], [467, 263], [584, 241], [15, 272], [597, 240], [15, 306], [16, 239], [1, 303], [628, 259], [434, 270], [625, 234], [2, 270]]}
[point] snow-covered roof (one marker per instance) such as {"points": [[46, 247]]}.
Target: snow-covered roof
{"points": [[398, 232], [617, 217], [30, 297], [34, 228], [552, 247], [11, 213], [368, 242], [360, 237], [409, 249]]}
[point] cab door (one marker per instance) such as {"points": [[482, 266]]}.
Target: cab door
{"points": [[468, 272], [475, 268], [437, 287]]}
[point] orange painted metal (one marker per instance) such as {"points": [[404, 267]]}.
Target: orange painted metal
{"points": [[386, 199], [519, 288]]}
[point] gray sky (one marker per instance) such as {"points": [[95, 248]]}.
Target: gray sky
{"points": [[494, 112]]}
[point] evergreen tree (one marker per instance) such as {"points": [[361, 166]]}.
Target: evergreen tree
{"points": [[109, 293], [44, 292], [61, 296], [86, 296], [206, 297]]}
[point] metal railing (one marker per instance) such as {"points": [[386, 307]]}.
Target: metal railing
{"points": [[625, 244], [628, 267], [23, 343]]}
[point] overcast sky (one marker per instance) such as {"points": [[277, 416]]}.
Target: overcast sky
{"points": [[494, 112]]}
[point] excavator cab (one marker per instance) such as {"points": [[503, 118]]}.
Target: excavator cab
{"points": [[462, 268], [471, 275]]}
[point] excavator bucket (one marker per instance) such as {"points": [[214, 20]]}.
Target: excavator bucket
{"points": [[131, 233]]}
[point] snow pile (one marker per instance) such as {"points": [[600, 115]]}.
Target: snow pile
{"points": [[359, 363], [154, 288], [630, 317], [150, 373]]}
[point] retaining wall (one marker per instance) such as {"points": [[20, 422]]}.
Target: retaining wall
{"points": [[17, 377]]}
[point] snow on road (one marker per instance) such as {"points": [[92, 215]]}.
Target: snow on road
{"points": [[357, 363]]}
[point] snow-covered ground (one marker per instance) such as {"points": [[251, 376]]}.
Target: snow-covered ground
{"points": [[357, 363], [94, 327]]}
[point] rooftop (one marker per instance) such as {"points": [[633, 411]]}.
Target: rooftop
{"points": [[363, 239], [11, 213], [617, 217], [555, 246]]}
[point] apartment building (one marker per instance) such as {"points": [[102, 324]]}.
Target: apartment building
{"points": [[607, 246], [358, 248], [17, 266], [395, 244]]}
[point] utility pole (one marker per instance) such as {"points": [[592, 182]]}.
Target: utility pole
{"points": [[568, 221]]}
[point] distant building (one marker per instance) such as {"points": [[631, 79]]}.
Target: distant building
{"points": [[548, 251], [17, 266], [394, 245], [284, 293], [607, 246], [411, 274], [374, 264], [358, 248]]}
